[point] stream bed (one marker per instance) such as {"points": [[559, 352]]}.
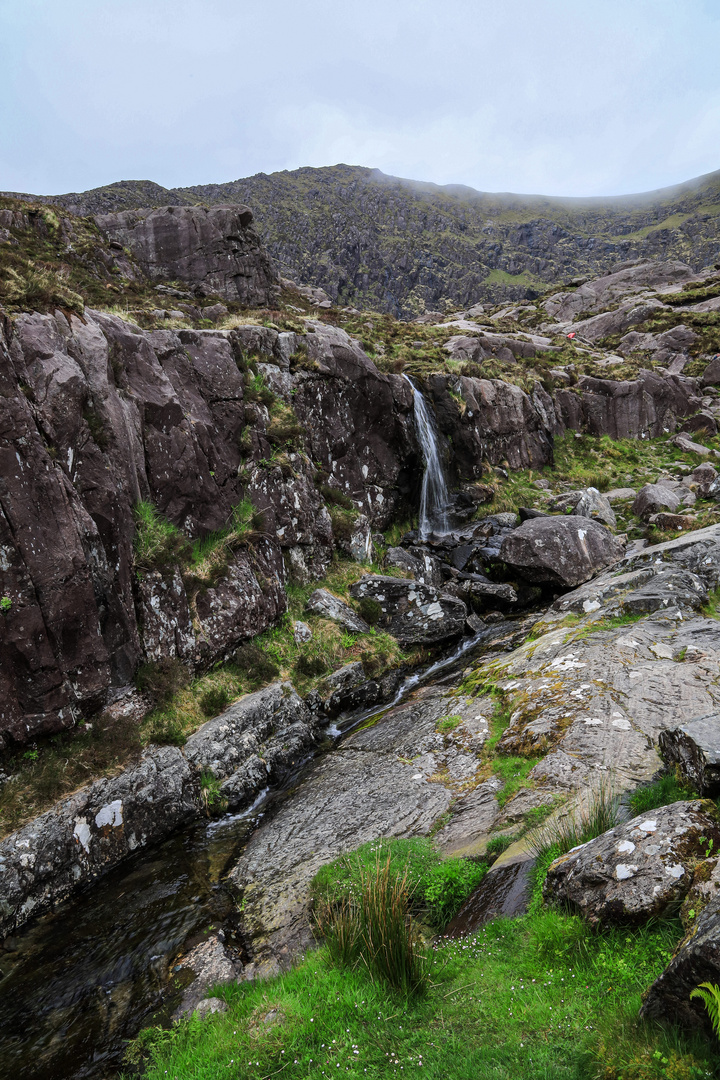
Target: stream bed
{"points": [[77, 983]]}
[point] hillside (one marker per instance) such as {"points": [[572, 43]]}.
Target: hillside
{"points": [[379, 242]]}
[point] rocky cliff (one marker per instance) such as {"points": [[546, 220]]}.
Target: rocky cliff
{"points": [[379, 242]]}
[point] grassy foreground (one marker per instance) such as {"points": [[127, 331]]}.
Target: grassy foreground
{"points": [[535, 997]]}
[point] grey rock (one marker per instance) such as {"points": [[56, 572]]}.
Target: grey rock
{"points": [[620, 494], [323, 603], [412, 612], [255, 743], [702, 421], [213, 249], [209, 1006], [711, 374], [587, 503], [301, 633], [211, 964], [705, 477], [653, 498], [636, 871], [91, 831], [484, 592], [695, 747], [696, 960], [690, 447], [601, 292], [566, 550], [669, 588]]}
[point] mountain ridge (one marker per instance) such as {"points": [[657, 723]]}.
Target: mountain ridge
{"points": [[405, 246]]}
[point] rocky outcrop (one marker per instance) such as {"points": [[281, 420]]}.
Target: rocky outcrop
{"points": [[414, 613], [695, 747], [602, 291], [215, 251], [564, 550], [639, 870], [257, 742], [91, 831]]}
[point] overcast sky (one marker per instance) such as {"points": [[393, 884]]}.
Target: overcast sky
{"points": [[586, 98]]}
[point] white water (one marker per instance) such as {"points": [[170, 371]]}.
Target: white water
{"points": [[434, 495]]}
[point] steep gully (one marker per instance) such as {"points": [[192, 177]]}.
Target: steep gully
{"points": [[77, 983]]}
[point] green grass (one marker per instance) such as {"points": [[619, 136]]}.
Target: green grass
{"points": [[537, 998], [668, 789], [513, 772], [435, 887]]}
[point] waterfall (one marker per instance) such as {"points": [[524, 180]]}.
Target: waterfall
{"points": [[434, 497]]}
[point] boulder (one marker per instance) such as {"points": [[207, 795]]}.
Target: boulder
{"points": [[619, 494], [587, 503], [563, 550], [91, 831], [711, 374], [702, 421], [639, 870], [690, 447], [210, 964], [323, 603], [696, 960], [704, 477], [695, 748], [412, 612], [652, 499], [673, 521], [349, 688], [256, 742]]}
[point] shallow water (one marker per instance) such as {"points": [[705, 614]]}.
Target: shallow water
{"points": [[77, 983]]}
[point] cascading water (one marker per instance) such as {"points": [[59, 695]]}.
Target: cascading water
{"points": [[434, 496]]}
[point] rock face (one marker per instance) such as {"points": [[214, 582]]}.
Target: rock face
{"points": [[216, 251], [92, 830], [566, 550], [255, 743], [695, 747], [412, 612], [638, 870]]}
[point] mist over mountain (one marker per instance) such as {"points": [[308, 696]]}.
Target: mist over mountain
{"points": [[380, 242]]}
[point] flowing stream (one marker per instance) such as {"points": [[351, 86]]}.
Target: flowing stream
{"points": [[77, 983], [434, 497]]}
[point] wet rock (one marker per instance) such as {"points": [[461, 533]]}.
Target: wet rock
{"points": [[503, 894], [214, 249], [473, 816], [636, 871], [412, 612], [565, 550], [93, 830], [348, 688], [255, 743], [212, 964], [695, 747], [652, 499], [323, 603]]}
